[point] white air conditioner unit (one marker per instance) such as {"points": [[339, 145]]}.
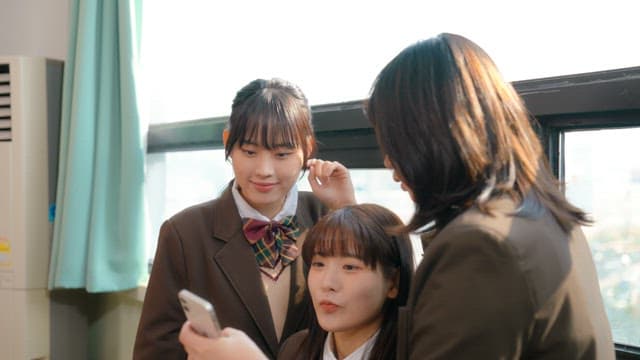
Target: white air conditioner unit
{"points": [[30, 94]]}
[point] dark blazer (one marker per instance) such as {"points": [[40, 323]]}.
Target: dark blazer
{"points": [[290, 349], [504, 287], [203, 249]]}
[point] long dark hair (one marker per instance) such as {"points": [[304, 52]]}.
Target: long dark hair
{"points": [[271, 113], [459, 135], [364, 231]]}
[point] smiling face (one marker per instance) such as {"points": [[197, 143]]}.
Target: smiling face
{"points": [[265, 176], [348, 295], [268, 138]]}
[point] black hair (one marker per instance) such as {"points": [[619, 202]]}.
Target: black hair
{"points": [[458, 135], [271, 113]]}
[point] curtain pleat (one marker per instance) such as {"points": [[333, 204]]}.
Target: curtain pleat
{"points": [[99, 231]]}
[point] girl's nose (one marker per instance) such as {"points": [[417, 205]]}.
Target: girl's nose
{"points": [[264, 166], [330, 279], [387, 162]]}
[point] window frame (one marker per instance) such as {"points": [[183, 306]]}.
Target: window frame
{"points": [[596, 100], [342, 131]]}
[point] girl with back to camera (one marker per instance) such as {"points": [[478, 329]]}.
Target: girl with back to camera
{"points": [[507, 272], [240, 251]]}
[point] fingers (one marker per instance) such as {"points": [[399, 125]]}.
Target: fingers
{"points": [[231, 332], [331, 183], [232, 344], [189, 338], [321, 171], [183, 332]]}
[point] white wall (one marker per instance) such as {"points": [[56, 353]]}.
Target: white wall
{"points": [[34, 28]]}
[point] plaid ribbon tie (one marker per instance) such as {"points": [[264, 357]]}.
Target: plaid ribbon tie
{"points": [[272, 241]]}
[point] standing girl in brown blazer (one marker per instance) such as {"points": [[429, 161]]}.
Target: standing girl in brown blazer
{"points": [[506, 272], [240, 251]]}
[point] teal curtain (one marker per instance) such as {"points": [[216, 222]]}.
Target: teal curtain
{"points": [[99, 231]]}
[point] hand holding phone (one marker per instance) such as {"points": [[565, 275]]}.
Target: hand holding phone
{"points": [[200, 314]]}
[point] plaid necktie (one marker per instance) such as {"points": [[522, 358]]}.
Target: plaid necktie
{"points": [[272, 241]]}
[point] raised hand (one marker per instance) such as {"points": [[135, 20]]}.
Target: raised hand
{"points": [[331, 183]]}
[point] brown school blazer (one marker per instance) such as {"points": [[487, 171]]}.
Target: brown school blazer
{"points": [[203, 249], [290, 349], [503, 287]]}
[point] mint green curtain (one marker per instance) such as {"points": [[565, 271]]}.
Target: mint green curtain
{"points": [[98, 241]]}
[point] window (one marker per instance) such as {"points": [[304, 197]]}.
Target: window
{"points": [[603, 177], [590, 125], [179, 179]]}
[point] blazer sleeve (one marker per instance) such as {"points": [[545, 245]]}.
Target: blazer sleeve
{"points": [[162, 316], [471, 299]]}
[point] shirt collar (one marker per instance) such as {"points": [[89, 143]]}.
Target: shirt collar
{"points": [[247, 211], [361, 353]]}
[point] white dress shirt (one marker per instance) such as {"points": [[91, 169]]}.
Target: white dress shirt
{"points": [[361, 353]]}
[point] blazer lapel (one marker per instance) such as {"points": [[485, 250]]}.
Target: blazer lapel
{"points": [[298, 309], [299, 301], [237, 261], [402, 344]]}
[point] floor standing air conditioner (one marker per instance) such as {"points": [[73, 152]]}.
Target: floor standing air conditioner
{"points": [[30, 94]]}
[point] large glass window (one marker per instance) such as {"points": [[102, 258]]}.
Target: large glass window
{"points": [[177, 180], [602, 175]]}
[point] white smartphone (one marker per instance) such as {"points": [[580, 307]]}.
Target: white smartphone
{"points": [[200, 313]]}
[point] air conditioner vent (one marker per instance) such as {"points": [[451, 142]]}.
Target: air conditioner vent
{"points": [[5, 103]]}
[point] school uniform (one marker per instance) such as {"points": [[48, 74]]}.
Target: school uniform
{"points": [[203, 249], [291, 349], [504, 287]]}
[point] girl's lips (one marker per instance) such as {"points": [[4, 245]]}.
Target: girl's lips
{"points": [[328, 306], [263, 187]]}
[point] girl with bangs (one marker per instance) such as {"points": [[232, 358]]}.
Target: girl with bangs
{"points": [[359, 276], [240, 250]]}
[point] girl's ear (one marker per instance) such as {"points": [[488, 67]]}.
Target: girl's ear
{"points": [[225, 137], [395, 285]]}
